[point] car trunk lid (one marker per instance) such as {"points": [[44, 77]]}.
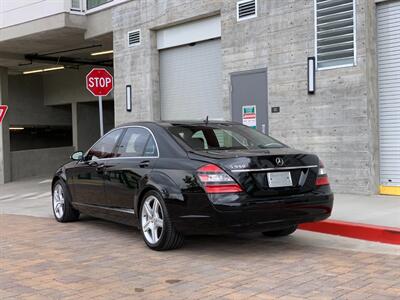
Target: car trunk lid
{"points": [[266, 172]]}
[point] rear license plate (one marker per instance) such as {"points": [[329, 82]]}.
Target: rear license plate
{"points": [[279, 179]]}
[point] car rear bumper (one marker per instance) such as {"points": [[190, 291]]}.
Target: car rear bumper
{"points": [[238, 213]]}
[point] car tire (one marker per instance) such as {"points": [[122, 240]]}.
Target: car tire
{"points": [[280, 232], [61, 203], [153, 214]]}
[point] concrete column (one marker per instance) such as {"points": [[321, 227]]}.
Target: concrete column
{"points": [[5, 164], [74, 111]]}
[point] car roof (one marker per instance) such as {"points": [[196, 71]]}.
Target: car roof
{"points": [[172, 123]]}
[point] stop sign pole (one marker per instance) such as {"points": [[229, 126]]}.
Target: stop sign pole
{"points": [[101, 115], [100, 83]]}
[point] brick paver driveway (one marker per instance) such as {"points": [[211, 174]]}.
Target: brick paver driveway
{"points": [[43, 259]]}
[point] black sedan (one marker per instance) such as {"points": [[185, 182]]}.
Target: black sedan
{"points": [[171, 179]]}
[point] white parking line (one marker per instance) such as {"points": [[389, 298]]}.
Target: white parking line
{"points": [[43, 195], [45, 181], [6, 196], [27, 195], [10, 200]]}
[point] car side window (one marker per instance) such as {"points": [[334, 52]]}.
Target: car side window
{"points": [[105, 146], [151, 148], [137, 142]]}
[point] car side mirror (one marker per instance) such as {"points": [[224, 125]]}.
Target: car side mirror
{"points": [[78, 156]]}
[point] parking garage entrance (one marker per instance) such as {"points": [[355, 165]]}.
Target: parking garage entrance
{"points": [[51, 114]]}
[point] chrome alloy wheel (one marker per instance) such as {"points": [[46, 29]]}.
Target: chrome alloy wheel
{"points": [[58, 201], [152, 219]]}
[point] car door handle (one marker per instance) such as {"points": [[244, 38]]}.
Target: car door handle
{"points": [[100, 168], [92, 163], [144, 164]]}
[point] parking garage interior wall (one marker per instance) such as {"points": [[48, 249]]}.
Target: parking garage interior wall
{"points": [[38, 162], [27, 103], [41, 155], [34, 125], [68, 86], [45, 142], [88, 122]]}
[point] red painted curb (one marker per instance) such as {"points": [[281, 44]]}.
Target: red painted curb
{"points": [[382, 234]]}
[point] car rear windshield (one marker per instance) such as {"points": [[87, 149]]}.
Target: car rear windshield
{"points": [[222, 137]]}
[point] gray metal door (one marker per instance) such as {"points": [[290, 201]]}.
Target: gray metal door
{"points": [[249, 89]]}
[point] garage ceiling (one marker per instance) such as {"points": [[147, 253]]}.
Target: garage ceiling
{"points": [[64, 44]]}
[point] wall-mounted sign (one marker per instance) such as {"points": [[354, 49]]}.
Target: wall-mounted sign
{"points": [[275, 109], [249, 116], [3, 110]]}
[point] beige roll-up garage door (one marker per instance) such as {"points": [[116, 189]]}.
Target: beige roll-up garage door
{"points": [[388, 42], [190, 81]]}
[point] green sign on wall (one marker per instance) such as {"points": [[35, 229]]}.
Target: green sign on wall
{"points": [[249, 116]]}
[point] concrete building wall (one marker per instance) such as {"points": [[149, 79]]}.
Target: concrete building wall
{"points": [[371, 76], [139, 66], [21, 11], [5, 166], [339, 122], [27, 107], [98, 24]]}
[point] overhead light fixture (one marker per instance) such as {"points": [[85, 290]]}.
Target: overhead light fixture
{"points": [[43, 70], [16, 128], [102, 53], [54, 69], [32, 72]]}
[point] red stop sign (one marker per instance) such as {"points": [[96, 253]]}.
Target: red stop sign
{"points": [[99, 82]]}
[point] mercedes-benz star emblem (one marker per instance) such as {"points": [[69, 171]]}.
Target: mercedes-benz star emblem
{"points": [[279, 162]]}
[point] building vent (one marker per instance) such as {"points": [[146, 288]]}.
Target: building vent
{"points": [[134, 38], [335, 33], [246, 9]]}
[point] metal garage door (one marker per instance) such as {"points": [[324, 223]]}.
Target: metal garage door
{"points": [[389, 94], [190, 81]]}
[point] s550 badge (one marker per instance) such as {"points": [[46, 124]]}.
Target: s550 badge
{"points": [[238, 167]]}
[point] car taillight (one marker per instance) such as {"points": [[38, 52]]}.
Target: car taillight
{"points": [[322, 178], [216, 181]]}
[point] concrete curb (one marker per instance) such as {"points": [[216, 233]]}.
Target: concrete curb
{"points": [[367, 232]]}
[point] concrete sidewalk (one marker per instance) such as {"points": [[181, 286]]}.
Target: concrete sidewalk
{"points": [[374, 210]]}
